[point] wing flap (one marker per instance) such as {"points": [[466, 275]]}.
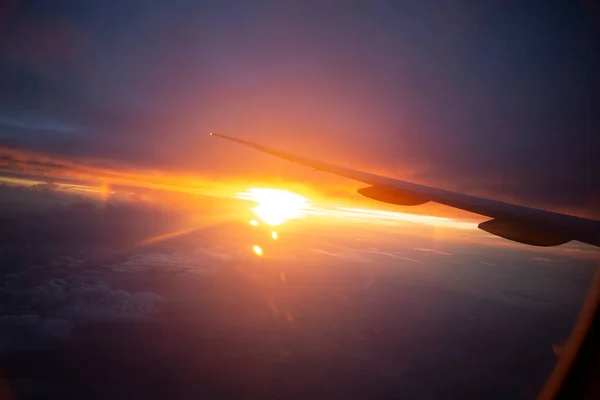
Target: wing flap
{"points": [[523, 233]]}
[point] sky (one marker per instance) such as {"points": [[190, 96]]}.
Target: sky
{"points": [[494, 98]]}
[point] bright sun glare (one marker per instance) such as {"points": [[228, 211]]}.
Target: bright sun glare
{"points": [[275, 206]]}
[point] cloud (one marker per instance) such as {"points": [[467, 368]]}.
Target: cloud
{"points": [[85, 302], [434, 251], [17, 163], [30, 331], [344, 256], [45, 187], [168, 263], [392, 255], [58, 305], [547, 260], [488, 263], [217, 255]]}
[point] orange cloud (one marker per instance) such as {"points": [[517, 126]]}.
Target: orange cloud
{"points": [[95, 177]]}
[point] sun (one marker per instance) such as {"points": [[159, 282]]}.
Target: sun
{"points": [[276, 206]]}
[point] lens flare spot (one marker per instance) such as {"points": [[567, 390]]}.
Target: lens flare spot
{"points": [[272, 306], [282, 276], [254, 222], [257, 250], [289, 317], [274, 235]]}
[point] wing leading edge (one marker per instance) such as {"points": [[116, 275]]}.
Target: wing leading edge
{"points": [[518, 223]]}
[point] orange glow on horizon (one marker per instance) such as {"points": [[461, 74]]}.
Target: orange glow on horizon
{"points": [[274, 206]]}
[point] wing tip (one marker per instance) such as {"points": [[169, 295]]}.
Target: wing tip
{"points": [[218, 135], [233, 139]]}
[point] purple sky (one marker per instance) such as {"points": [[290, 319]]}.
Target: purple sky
{"points": [[498, 98]]}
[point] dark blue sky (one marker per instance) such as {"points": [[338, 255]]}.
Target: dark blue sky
{"points": [[497, 97]]}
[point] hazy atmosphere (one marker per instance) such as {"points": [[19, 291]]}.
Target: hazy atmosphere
{"points": [[142, 258]]}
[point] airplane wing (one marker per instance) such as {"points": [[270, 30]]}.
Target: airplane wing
{"points": [[518, 223]]}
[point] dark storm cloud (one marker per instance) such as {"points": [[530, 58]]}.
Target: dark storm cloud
{"points": [[497, 98]]}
